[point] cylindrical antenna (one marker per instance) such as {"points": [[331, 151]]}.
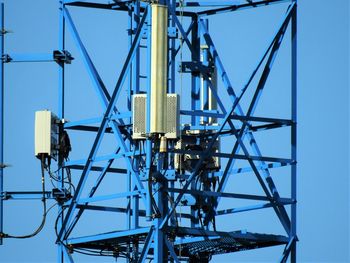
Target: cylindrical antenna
{"points": [[159, 68]]}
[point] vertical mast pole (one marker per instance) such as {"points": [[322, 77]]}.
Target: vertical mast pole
{"points": [[158, 100], [61, 94], [2, 119], [294, 132], [128, 144]]}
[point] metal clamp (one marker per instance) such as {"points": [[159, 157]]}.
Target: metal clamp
{"points": [[62, 56]]}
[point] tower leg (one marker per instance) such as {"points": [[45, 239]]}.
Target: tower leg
{"points": [[61, 95], [294, 133], [1, 117]]}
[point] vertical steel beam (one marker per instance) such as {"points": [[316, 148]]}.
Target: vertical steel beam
{"points": [[1, 117], [146, 246], [171, 87], [67, 255], [61, 95], [204, 84], [195, 93], [136, 64], [134, 16], [294, 133], [171, 251], [148, 149], [128, 144], [159, 244], [159, 57], [173, 52], [195, 56]]}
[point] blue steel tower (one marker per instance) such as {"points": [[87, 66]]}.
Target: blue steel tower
{"points": [[168, 139]]}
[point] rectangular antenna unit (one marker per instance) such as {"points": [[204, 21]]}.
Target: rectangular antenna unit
{"points": [[46, 133], [173, 116], [140, 115]]}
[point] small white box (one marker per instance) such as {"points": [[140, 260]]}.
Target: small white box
{"points": [[46, 133]]}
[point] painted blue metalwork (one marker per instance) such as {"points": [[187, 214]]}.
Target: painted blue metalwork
{"points": [[30, 58], [103, 158], [236, 234], [240, 6], [116, 234], [163, 188], [96, 79], [2, 28], [148, 124], [249, 208], [171, 250], [109, 197], [228, 195], [204, 155], [147, 245], [25, 195], [293, 233], [103, 126], [67, 255], [61, 251], [282, 215], [205, 87], [231, 93]]}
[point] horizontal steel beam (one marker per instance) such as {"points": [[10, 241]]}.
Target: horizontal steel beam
{"points": [[118, 6], [82, 201], [261, 167], [110, 235], [141, 213], [25, 195], [236, 156], [103, 158], [98, 169], [237, 7], [95, 5], [237, 234], [235, 117], [254, 207], [96, 120], [38, 57], [216, 194]]}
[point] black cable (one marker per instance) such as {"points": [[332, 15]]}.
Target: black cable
{"points": [[173, 206], [71, 185], [56, 179], [82, 251], [41, 226]]}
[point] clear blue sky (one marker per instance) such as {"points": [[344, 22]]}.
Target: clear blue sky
{"points": [[323, 113]]}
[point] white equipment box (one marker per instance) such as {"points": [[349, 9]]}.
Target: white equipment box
{"points": [[46, 133]]}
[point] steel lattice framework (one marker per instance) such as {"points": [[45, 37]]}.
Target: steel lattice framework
{"points": [[156, 190]]}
